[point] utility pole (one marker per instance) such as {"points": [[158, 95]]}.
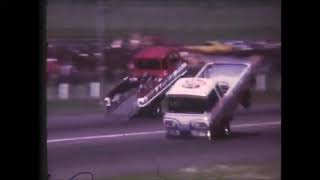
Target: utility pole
{"points": [[100, 24], [100, 29]]}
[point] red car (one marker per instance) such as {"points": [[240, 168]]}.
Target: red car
{"points": [[152, 71], [157, 61]]}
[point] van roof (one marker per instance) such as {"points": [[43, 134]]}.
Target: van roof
{"points": [[192, 86]]}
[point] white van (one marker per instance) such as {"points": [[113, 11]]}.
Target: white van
{"points": [[204, 105]]}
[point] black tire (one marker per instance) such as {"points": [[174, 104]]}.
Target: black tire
{"points": [[216, 132], [227, 128], [156, 111], [246, 100], [220, 130]]}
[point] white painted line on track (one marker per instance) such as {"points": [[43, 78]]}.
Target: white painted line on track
{"points": [[105, 136], [256, 124], [151, 132]]}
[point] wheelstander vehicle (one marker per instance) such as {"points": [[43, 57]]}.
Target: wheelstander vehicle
{"points": [[203, 106], [151, 72]]}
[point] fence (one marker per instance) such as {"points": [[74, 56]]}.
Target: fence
{"points": [[266, 82]]}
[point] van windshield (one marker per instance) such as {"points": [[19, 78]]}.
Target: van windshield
{"points": [[186, 105], [154, 64], [191, 105]]}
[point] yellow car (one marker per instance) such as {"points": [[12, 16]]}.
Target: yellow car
{"points": [[210, 47]]}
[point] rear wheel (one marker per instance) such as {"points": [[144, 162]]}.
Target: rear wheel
{"points": [[246, 100], [215, 132], [220, 130], [156, 111], [226, 128]]}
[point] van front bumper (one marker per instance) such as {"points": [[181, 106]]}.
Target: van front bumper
{"points": [[178, 131]]}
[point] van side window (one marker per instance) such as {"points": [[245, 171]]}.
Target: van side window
{"points": [[222, 88], [207, 72], [212, 99], [219, 90]]}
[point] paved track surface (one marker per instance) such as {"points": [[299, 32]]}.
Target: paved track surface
{"points": [[113, 145]]}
